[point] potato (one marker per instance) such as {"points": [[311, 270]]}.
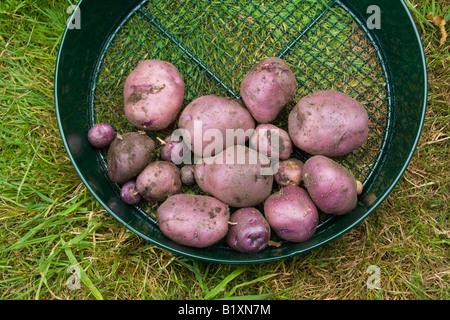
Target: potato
{"points": [[267, 87], [129, 194], [128, 155], [292, 214], [158, 181], [215, 115], [187, 175], [166, 150], [272, 141], [101, 135], [289, 172], [153, 95], [249, 231], [331, 186], [193, 220], [238, 176], [328, 123]]}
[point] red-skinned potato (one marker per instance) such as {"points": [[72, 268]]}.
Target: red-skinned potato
{"points": [[292, 214], [128, 155], [193, 220], [153, 95], [267, 87], [215, 113], [238, 176], [249, 231], [328, 123], [289, 172], [158, 181], [332, 186]]}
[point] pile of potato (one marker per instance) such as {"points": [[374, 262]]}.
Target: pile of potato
{"points": [[245, 200]]}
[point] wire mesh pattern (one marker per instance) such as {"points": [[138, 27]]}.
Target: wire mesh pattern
{"points": [[213, 44]]}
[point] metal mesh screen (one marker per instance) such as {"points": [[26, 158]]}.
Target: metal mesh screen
{"points": [[213, 44]]}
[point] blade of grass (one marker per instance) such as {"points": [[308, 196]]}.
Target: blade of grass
{"points": [[28, 168], [83, 276], [195, 268], [217, 289], [23, 241], [250, 297], [263, 278]]}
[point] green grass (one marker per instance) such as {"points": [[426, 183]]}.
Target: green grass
{"points": [[50, 222]]}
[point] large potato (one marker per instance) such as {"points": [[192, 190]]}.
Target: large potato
{"points": [[328, 123], [238, 176], [267, 87], [128, 155], [158, 181], [292, 214], [193, 220], [215, 115], [153, 95], [331, 186]]}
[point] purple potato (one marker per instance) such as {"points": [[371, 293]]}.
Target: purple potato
{"points": [[267, 88], [129, 193], [193, 220], [101, 135], [211, 115], [158, 181], [328, 123], [166, 150], [239, 176], [153, 95], [187, 175], [249, 231], [292, 214], [128, 155], [332, 187], [263, 137]]}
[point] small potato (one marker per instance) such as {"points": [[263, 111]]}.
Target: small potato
{"points": [[328, 123], [271, 141], [166, 150], [289, 172], [267, 87], [213, 116], [331, 186], [101, 135], [129, 194], [238, 176], [249, 231], [292, 214], [187, 175], [153, 95], [158, 181], [128, 155], [193, 220]]}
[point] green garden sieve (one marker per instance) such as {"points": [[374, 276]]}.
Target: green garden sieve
{"points": [[369, 49]]}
